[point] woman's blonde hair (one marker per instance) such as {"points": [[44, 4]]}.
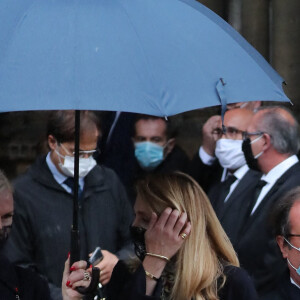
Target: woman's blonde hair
{"points": [[205, 252]]}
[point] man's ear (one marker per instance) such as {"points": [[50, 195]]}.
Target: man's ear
{"points": [[268, 142], [52, 142], [282, 245], [170, 146]]}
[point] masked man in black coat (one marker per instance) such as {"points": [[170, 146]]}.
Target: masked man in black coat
{"points": [[44, 205], [15, 282]]}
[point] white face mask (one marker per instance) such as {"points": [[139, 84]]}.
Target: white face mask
{"points": [[229, 153], [85, 165]]}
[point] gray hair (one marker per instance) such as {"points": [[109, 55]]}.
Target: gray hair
{"points": [[4, 183], [284, 134]]}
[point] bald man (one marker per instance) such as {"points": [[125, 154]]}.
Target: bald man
{"points": [[270, 146], [227, 197]]}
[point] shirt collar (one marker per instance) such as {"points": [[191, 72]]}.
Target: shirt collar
{"points": [[59, 177], [239, 173], [293, 282], [280, 169]]}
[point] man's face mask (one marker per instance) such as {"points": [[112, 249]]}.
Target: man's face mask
{"points": [[138, 238], [149, 155], [67, 167], [298, 249], [250, 158], [4, 233], [229, 153]]}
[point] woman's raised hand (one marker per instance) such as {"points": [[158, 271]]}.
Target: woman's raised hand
{"points": [[166, 233]]}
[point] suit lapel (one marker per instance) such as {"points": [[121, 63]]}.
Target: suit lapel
{"points": [[250, 179], [270, 197]]}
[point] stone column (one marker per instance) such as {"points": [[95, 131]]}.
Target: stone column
{"points": [[255, 24], [285, 45]]}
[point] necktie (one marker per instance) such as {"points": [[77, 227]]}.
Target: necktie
{"points": [[70, 183], [257, 190]]}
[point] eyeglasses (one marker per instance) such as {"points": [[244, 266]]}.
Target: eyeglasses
{"points": [[290, 234], [82, 153], [229, 132], [248, 134]]}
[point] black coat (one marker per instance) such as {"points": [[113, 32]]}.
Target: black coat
{"points": [[207, 176], [126, 286], [16, 281], [256, 247], [230, 213], [40, 237], [285, 290]]}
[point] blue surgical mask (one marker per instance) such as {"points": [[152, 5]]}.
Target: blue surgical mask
{"points": [[298, 249], [149, 155]]}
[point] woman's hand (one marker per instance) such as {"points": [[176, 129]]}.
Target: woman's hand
{"points": [[164, 234], [106, 266], [74, 279]]}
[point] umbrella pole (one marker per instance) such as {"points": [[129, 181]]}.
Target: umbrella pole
{"points": [[75, 250]]}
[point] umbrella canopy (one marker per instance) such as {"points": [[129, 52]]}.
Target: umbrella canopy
{"points": [[158, 57]]}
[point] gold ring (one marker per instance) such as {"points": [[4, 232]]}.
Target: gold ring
{"points": [[183, 235], [86, 276]]}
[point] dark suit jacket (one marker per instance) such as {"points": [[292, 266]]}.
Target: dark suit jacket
{"points": [[284, 291], [231, 213], [256, 247], [206, 176]]}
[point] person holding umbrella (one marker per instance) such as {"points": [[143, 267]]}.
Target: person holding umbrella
{"points": [[183, 251], [44, 204]]}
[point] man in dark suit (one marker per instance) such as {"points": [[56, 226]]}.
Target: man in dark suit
{"points": [[227, 196], [285, 221], [270, 145]]}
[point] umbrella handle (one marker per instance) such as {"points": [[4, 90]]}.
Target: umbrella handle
{"points": [[93, 285], [75, 250]]}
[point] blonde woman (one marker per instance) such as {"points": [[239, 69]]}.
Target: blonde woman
{"points": [[184, 252]]}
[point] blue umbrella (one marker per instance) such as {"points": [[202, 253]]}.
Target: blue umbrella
{"points": [[159, 57]]}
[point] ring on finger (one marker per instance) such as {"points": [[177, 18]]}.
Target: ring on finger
{"points": [[183, 235], [86, 276]]}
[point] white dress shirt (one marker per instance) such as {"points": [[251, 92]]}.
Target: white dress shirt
{"points": [[59, 177], [293, 282], [273, 176]]}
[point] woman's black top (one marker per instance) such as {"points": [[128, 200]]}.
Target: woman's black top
{"points": [[21, 283], [126, 286]]}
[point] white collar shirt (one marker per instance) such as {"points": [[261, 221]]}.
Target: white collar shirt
{"points": [[293, 282], [59, 177], [273, 176]]}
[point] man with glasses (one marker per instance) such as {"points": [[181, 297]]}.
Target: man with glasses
{"points": [[270, 146], [285, 221], [44, 205], [227, 196]]}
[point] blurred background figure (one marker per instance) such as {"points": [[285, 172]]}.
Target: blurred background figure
{"points": [[116, 149], [251, 105], [15, 282], [285, 221], [44, 204]]}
